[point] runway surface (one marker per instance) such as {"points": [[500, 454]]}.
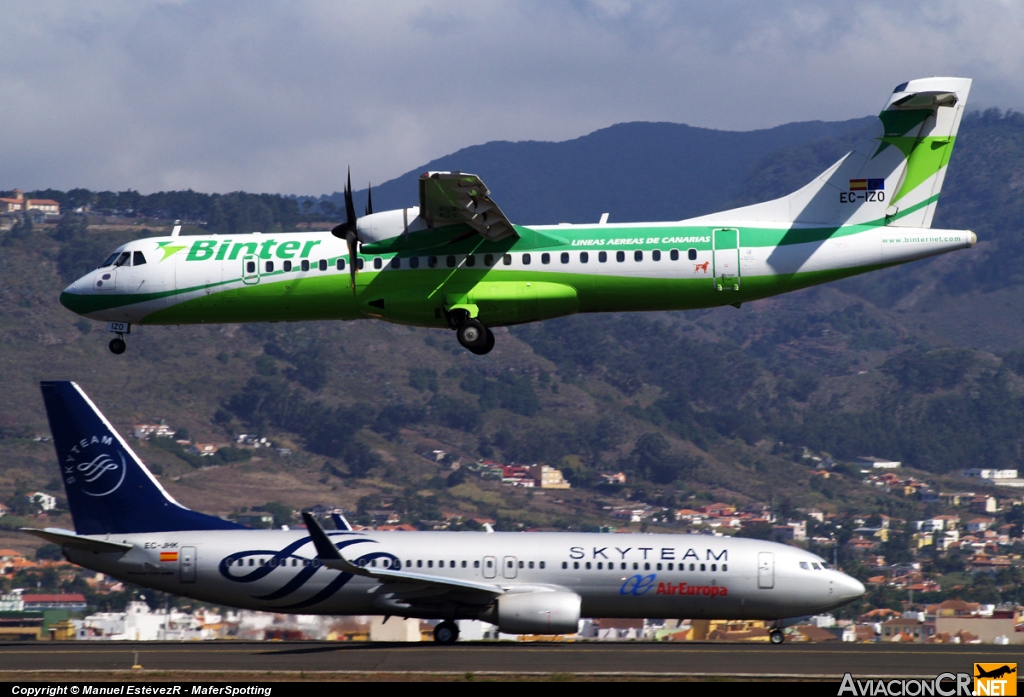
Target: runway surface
{"points": [[742, 661]]}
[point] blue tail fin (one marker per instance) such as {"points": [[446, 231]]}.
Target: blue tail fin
{"points": [[109, 489]]}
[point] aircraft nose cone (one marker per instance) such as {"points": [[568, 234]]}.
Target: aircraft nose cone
{"points": [[850, 588]]}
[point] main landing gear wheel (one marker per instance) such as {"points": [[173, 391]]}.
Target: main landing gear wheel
{"points": [[117, 346], [776, 636], [475, 337], [446, 633]]}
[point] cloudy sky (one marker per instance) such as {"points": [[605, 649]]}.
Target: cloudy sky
{"points": [[283, 96]]}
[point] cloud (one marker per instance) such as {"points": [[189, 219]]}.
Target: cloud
{"points": [[283, 96]]}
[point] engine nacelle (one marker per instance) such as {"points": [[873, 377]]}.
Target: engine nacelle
{"points": [[387, 224], [539, 612]]}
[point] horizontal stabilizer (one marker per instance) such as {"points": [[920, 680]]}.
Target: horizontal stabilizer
{"points": [[66, 538]]}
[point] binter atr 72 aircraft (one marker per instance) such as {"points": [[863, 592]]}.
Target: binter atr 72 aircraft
{"points": [[455, 261], [128, 527]]}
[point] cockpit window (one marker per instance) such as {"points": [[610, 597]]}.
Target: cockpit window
{"points": [[805, 566], [138, 259], [816, 567], [123, 259], [109, 261], [825, 566]]}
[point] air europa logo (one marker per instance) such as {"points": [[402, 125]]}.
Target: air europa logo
{"points": [[687, 589]]}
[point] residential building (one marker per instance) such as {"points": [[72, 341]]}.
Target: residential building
{"points": [[984, 504], [868, 462], [144, 431], [43, 500], [548, 477], [989, 473], [204, 449], [20, 204]]}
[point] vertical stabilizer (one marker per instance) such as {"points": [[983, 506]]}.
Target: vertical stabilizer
{"points": [[892, 178], [109, 489]]}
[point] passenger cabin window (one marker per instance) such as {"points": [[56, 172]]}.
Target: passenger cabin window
{"points": [[287, 266], [545, 258], [691, 254], [359, 263], [638, 255], [138, 259], [270, 266], [471, 260], [584, 257], [377, 263], [322, 264], [542, 565], [250, 267], [714, 567], [476, 564], [414, 262], [305, 265], [702, 567], [602, 257], [565, 257], [575, 565], [674, 255], [565, 565], [656, 255], [507, 260], [432, 262], [450, 261], [725, 567], [520, 565], [396, 263], [488, 260], [620, 256], [526, 260], [340, 265]]}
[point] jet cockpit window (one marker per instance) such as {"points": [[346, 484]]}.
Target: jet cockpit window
{"points": [[805, 566], [815, 566], [825, 566], [109, 261], [123, 259], [138, 259]]}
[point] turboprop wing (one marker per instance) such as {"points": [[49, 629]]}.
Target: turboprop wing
{"points": [[448, 198]]}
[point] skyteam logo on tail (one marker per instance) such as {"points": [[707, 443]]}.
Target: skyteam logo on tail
{"points": [[94, 472]]}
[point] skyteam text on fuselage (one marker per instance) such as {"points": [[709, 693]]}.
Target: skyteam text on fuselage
{"points": [[129, 527], [455, 261]]}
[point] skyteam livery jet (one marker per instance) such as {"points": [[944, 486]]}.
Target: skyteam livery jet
{"points": [[456, 261], [128, 527]]}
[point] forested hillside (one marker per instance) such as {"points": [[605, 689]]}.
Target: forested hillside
{"points": [[923, 363]]}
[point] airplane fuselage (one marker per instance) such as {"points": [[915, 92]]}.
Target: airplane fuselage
{"points": [[549, 271], [632, 575]]}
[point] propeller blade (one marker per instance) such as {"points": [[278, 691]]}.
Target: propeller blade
{"points": [[369, 199], [352, 258]]}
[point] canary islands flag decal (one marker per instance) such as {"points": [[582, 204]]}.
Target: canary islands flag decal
{"points": [[168, 556], [995, 679]]}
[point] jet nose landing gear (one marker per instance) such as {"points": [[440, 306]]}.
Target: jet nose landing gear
{"points": [[117, 346], [471, 333]]}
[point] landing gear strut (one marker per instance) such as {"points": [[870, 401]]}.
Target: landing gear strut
{"points": [[776, 636], [471, 333], [446, 633]]}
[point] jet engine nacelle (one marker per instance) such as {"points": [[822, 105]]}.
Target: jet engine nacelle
{"points": [[540, 612], [387, 224]]}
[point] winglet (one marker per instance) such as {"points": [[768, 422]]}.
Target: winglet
{"points": [[341, 522], [326, 551]]}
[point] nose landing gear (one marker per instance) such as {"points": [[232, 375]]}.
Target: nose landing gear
{"points": [[117, 346], [776, 636]]}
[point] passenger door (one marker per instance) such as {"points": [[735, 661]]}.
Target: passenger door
{"points": [[187, 564], [765, 570], [490, 567], [509, 568], [726, 245]]}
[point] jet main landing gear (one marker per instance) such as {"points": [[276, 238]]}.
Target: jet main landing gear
{"points": [[471, 333], [776, 636], [117, 346], [446, 633]]}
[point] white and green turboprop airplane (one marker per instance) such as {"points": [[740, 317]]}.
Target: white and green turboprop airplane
{"points": [[455, 261]]}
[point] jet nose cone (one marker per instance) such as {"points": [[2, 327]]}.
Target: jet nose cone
{"points": [[850, 588]]}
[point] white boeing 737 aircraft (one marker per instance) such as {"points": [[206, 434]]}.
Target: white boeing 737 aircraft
{"points": [[128, 527]]}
